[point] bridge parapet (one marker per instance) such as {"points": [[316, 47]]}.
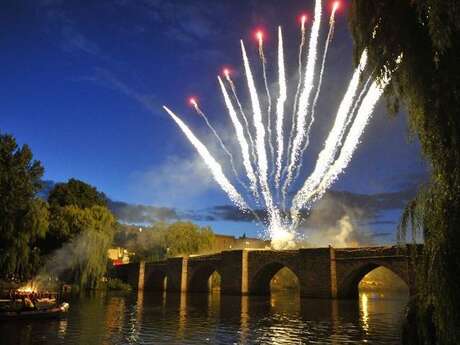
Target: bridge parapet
{"points": [[370, 252]]}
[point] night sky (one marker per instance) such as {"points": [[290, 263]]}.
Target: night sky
{"points": [[83, 85]]}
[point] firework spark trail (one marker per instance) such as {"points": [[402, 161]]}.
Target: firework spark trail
{"points": [[221, 143], [263, 61], [274, 217], [357, 103], [241, 139], [243, 114], [352, 116], [213, 165], [330, 35], [305, 196], [297, 94], [304, 99], [280, 107], [327, 155]]}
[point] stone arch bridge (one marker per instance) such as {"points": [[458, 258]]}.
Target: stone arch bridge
{"points": [[321, 272]]}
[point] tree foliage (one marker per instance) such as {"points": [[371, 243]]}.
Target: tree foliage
{"points": [[184, 238], [76, 193], [83, 259], [77, 224], [80, 232], [164, 240], [147, 243], [427, 81], [62, 228], [23, 217]]}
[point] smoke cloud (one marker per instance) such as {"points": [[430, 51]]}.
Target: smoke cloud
{"points": [[333, 222], [177, 181], [74, 255]]}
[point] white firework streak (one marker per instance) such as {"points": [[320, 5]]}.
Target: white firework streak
{"points": [[221, 143], [269, 98], [357, 103], [280, 107], [355, 110], [274, 217], [304, 100], [330, 34], [306, 196], [243, 115], [241, 139], [296, 98], [213, 165], [327, 155]]}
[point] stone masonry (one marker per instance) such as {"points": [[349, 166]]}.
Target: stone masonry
{"points": [[322, 272]]}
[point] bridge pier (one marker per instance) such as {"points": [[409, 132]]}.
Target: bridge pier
{"points": [[234, 272], [318, 273]]}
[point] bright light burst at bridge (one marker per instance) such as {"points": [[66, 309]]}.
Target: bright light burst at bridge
{"points": [[273, 141]]}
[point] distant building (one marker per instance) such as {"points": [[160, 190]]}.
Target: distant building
{"points": [[118, 256], [225, 242]]}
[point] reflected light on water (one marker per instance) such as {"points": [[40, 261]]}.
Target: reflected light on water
{"points": [[285, 303], [364, 305], [140, 306], [335, 322], [244, 319], [182, 315], [285, 312], [213, 304], [155, 318], [272, 302], [62, 330], [115, 313]]}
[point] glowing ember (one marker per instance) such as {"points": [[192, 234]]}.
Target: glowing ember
{"points": [[303, 19], [192, 101], [29, 288], [259, 35], [336, 6]]}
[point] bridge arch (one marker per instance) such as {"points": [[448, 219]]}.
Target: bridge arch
{"points": [[350, 284], [260, 283], [156, 280], [199, 278]]}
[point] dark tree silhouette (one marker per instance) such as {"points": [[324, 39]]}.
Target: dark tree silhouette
{"points": [[23, 216], [426, 34]]}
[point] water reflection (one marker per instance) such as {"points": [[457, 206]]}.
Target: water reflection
{"points": [[115, 312], [364, 311], [244, 319], [167, 318], [62, 328], [182, 315]]}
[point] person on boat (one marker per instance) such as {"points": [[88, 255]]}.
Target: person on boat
{"points": [[28, 304]]}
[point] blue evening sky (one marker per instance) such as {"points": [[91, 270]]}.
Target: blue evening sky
{"points": [[83, 84]]}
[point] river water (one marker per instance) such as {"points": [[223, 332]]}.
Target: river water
{"points": [[148, 318]]}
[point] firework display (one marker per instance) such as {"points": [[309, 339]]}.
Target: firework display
{"points": [[272, 145]]}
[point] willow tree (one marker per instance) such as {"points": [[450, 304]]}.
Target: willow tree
{"points": [[426, 82], [80, 232], [82, 259]]}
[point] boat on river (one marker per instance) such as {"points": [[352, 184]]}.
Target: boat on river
{"points": [[54, 312]]}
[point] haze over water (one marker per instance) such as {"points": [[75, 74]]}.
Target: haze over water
{"points": [[169, 318]]}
